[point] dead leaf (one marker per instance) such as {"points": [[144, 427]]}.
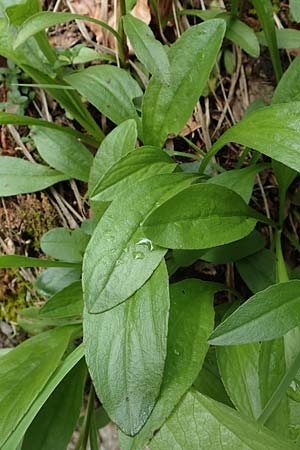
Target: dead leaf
{"points": [[95, 9], [142, 11]]}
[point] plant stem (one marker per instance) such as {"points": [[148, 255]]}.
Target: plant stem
{"points": [[235, 7], [83, 438], [281, 272], [122, 46]]}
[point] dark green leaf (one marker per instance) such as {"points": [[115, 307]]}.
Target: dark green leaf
{"points": [[259, 270], [63, 152], [66, 303], [147, 49], [24, 372], [119, 258], [126, 349], [267, 315], [65, 244], [191, 319], [53, 426], [18, 176], [167, 108], [7, 261], [202, 423], [201, 216], [242, 35]]}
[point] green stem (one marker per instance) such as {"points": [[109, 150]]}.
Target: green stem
{"points": [[122, 44], [235, 7], [281, 271], [83, 438]]}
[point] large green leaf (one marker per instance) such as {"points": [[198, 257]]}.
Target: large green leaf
{"points": [[110, 89], [138, 165], [267, 315], [259, 270], [273, 131], [148, 50], [126, 349], [117, 144], [18, 176], [190, 322], [70, 361], [201, 216], [202, 423], [63, 152], [119, 258], [53, 426], [167, 108], [65, 244], [66, 303], [24, 372], [239, 371]]}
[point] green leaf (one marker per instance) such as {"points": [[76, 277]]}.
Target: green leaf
{"points": [[273, 131], [267, 315], [190, 322], [147, 49], [295, 10], [238, 366], [201, 216], [126, 350], [8, 261], [138, 165], [70, 361], [288, 89], [119, 258], [287, 38], [117, 144], [55, 279], [53, 426], [24, 372], [21, 10], [235, 251], [65, 244], [259, 270], [63, 152], [45, 19], [264, 11], [167, 108], [202, 423], [110, 89], [18, 176], [242, 35], [240, 181], [66, 303]]}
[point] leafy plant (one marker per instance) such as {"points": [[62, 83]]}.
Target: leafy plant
{"points": [[151, 353]]}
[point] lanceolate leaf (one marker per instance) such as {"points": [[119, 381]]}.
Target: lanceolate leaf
{"points": [[63, 152], [53, 426], [119, 258], [18, 176], [202, 423], [65, 244], [66, 303], [288, 90], [24, 372], [110, 89], [7, 261], [265, 316], [117, 144], [147, 49], [126, 349], [54, 279], [140, 164], [167, 108], [201, 216], [191, 319]]}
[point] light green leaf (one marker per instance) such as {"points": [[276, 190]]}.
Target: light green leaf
{"points": [[66, 303], [18, 176], [287, 38], [267, 315], [238, 366], [202, 423], [295, 10], [21, 10], [273, 131], [138, 165], [147, 49], [119, 258], [259, 270], [55, 279], [242, 35], [190, 322], [110, 89], [70, 361], [126, 349], [65, 244], [167, 108], [53, 426], [7, 261], [63, 152], [288, 89], [201, 216], [24, 372], [117, 144], [240, 181]]}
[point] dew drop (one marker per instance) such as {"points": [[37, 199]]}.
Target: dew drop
{"points": [[138, 255]]}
